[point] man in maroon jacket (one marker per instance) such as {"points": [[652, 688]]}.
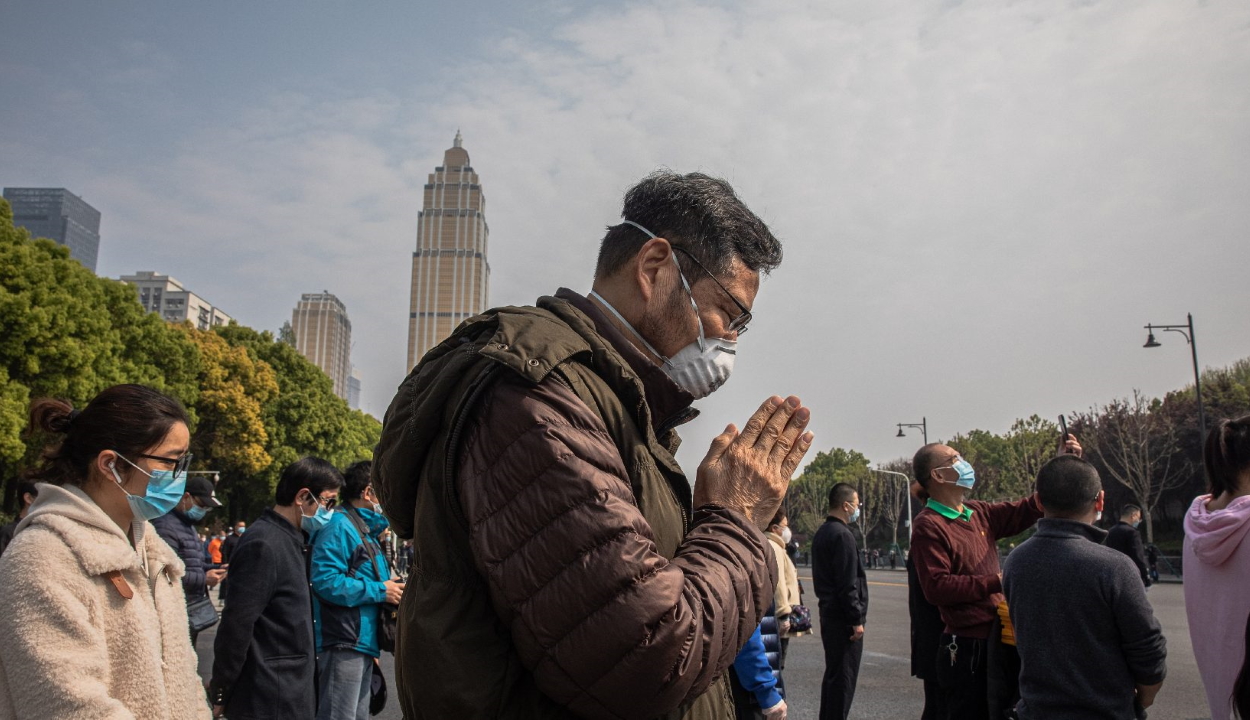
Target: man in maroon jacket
{"points": [[954, 550]]}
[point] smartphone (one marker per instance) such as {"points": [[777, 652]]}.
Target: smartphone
{"points": [[1063, 430]]}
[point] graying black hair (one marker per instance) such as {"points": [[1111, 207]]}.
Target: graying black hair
{"points": [[696, 212]]}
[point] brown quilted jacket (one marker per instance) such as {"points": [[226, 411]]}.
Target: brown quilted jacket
{"points": [[560, 572]]}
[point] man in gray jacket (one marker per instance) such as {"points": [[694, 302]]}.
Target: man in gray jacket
{"points": [[1090, 646]]}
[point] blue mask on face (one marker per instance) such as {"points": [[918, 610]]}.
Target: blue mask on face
{"points": [[311, 524], [164, 492], [854, 516], [196, 513], [967, 476]]}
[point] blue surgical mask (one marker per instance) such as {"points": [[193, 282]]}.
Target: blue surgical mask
{"points": [[312, 523], [164, 492], [854, 516], [967, 476], [196, 513], [1137, 523]]}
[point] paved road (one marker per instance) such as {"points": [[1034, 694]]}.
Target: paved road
{"points": [[886, 689]]}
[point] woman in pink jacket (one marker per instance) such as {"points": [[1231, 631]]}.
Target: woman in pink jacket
{"points": [[1217, 564]]}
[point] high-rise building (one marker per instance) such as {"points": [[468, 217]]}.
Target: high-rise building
{"points": [[167, 297], [323, 334], [353, 389], [450, 275], [61, 215]]}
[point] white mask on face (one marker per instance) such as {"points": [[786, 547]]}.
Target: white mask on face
{"points": [[701, 367], [786, 535]]}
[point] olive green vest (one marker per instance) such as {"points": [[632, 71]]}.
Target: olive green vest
{"points": [[450, 637]]}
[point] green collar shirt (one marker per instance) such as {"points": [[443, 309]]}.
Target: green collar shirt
{"points": [[949, 513]]}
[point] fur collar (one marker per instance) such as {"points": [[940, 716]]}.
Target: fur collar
{"points": [[96, 541]]}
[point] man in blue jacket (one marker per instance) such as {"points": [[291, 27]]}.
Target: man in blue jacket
{"points": [[350, 581]]}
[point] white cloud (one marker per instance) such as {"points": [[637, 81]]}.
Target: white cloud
{"points": [[981, 203]]}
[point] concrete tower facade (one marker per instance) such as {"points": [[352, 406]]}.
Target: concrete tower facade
{"points": [[323, 334], [450, 274]]}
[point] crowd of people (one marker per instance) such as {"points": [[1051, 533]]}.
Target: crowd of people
{"points": [[561, 563]]}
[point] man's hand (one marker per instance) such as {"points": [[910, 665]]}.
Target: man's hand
{"points": [[776, 712], [1070, 446], [212, 577], [394, 591], [857, 633], [1146, 694], [750, 471]]}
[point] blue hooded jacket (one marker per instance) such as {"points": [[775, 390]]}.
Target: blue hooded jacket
{"points": [[348, 589]]}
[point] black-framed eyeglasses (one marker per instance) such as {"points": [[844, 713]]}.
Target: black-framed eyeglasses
{"points": [[181, 464], [738, 325]]}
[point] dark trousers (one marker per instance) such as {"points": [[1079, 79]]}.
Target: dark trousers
{"points": [[963, 682], [934, 701], [837, 689]]}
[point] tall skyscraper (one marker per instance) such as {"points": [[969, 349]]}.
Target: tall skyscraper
{"points": [[450, 275], [323, 334], [353, 389], [60, 215], [167, 297]]}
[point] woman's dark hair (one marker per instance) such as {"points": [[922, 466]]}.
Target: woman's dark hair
{"points": [[356, 479], [311, 472], [128, 419], [1227, 454], [779, 518]]}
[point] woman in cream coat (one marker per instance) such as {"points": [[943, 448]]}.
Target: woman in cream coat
{"points": [[94, 621], [786, 595]]}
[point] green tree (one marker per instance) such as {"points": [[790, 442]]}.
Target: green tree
{"points": [[808, 498]]}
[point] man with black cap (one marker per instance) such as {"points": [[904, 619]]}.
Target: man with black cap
{"points": [[178, 529]]}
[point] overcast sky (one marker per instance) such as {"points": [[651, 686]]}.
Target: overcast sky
{"points": [[981, 203]]}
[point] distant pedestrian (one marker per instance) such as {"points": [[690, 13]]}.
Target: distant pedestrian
{"points": [[1065, 591], [842, 588], [227, 545], [26, 493], [956, 558], [214, 548], [264, 663], [1152, 561], [1124, 537], [178, 529], [350, 580], [94, 622], [893, 560], [787, 596], [1217, 563]]}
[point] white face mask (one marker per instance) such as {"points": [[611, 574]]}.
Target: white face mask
{"points": [[786, 535], [701, 367]]}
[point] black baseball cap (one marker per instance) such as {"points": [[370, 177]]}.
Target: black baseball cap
{"points": [[201, 488]]}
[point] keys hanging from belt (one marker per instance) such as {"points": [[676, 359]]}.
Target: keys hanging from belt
{"points": [[954, 650]]}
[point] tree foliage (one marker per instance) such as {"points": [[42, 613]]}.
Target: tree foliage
{"points": [[256, 404]]}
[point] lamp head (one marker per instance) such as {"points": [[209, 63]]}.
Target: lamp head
{"points": [[1150, 341], [900, 432]]}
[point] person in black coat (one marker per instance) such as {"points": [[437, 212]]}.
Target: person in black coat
{"points": [[842, 588], [926, 635], [177, 529], [1125, 538], [264, 658]]}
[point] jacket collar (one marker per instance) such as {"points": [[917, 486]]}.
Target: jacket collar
{"points": [[1070, 529], [96, 541], [669, 403]]}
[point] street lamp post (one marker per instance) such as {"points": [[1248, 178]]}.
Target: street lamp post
{"points": [[1187, 330], [922, 426], [906, 489]]}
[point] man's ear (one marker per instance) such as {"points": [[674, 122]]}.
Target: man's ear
{"points": [[650, 265], [1099, 503]]}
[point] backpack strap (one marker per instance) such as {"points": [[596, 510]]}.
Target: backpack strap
{"points": [[371, 549]]}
